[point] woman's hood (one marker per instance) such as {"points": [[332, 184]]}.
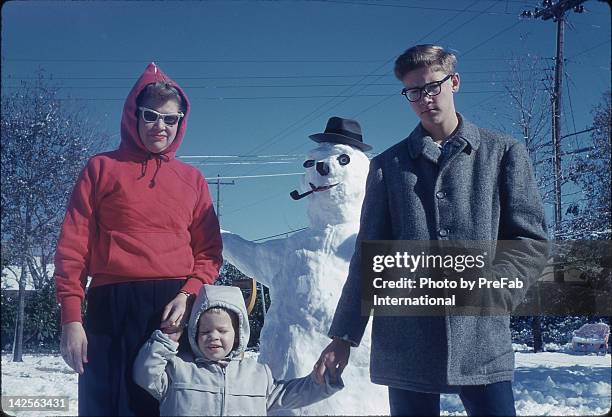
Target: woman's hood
{"points": [[130, 140]]}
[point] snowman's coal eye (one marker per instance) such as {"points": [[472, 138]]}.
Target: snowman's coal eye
{"points": [[344, 159], [309, 163]]}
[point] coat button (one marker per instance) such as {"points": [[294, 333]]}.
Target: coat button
{"points": [[440, 195], [443, 232]]}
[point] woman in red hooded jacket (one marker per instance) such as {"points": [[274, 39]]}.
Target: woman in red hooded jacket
{"points": [[142, 225]]}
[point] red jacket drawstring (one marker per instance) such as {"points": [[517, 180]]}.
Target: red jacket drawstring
{"points": [[158, 162]]}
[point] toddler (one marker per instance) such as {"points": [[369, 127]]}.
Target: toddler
{"points": [[218, 380]]}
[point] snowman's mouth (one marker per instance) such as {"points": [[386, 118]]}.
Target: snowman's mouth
{"points": [[315, 189]]}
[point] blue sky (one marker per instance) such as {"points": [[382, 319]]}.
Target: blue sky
{"points": [[263, 75]]}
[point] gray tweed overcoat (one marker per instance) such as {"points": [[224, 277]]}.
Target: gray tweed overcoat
{"points": [[480, 187]]}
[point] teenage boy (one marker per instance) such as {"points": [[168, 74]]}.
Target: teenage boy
{"points": [[449, 180]]}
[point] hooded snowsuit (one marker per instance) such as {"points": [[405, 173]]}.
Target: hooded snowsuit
{"points": [[237, 386], [143, 226]]}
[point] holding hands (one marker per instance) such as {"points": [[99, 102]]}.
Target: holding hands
{"points": [[334, 358], [176, 315], [73, 344]]}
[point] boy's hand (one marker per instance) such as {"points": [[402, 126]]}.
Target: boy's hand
{"points": [[73, 346], [175, 314], [334, 358]]}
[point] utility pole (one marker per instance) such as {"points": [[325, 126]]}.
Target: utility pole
{"points": [[556, 119], [219, 184], [556, 12]]}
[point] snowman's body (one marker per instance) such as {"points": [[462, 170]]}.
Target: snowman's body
{"points": [[305, 273]]}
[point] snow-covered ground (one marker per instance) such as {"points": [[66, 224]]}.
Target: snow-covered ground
{"points": [[40, 375], [547, 383]]}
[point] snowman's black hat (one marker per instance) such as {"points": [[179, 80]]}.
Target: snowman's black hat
{"points": [[340, 130]]}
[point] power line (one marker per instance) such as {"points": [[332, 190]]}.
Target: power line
{"points": [[239, 156], [242, 163], [461, 25], [237, 60], [262, 97], [589, 49], [378, 103], [388, 61], [585, 49], [578, 133], [389, 96], [491, 38], [309, 117], [491, 98], [242, 77], [445, 35], [237, 86], [204, 160], [472, 49], [424, 37], [569, 99], [403, 6], [465, 53], [263, 200], [281, 234], [193, 60], [521, 2], [261, 175]]}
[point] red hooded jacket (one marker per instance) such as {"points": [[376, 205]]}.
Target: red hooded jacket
{"points": [[137, 216]]}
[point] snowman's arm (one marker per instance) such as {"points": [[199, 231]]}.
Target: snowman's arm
{"points": [[261, 261]]}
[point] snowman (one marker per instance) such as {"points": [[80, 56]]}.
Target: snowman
{"points": [[306, 272]]}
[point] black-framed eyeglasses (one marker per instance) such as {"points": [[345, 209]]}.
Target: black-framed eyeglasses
{"points": [[431, 89], [152, 116]]}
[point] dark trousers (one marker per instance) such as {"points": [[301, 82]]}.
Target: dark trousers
{"points": [[118, 320], [479, 400]]}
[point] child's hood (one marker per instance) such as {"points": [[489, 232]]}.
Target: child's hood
{"points": [[130, 139], [227, 297]]}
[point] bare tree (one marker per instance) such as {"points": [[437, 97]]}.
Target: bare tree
{"points": [[528, 115], [525, 113], [46, 141]]}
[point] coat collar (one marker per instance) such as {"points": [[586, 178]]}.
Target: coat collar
{"points": [[420, 143]]}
